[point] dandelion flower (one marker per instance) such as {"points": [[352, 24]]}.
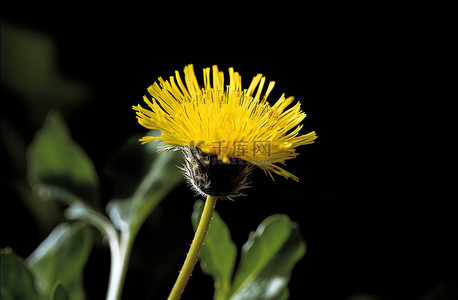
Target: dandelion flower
{"points": [[224, 130]]}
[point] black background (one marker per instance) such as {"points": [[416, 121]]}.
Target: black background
{"points": [[375, 200]]}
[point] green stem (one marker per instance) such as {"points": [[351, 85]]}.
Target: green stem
{"points": [[120, 244], [194, 251], [120, 254]]}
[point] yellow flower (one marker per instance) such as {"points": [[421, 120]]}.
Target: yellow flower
{"points": [[226, 122]]}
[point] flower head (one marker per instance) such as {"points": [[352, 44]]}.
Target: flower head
{"points": [[225, 124]]}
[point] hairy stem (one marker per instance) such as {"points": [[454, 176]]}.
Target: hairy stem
{"points": [[194, 251]]}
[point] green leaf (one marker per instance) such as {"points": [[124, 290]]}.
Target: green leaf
{"points": [[17, 281], [59, 293], [60, 258], [218, 254], [155, 176], [57, 166], [267, 260]]}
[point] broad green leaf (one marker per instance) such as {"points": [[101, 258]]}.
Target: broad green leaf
{"points": [[60, 258], [267, 260], [17, 281], [57, 166], [154, 177], [218, 254]]}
